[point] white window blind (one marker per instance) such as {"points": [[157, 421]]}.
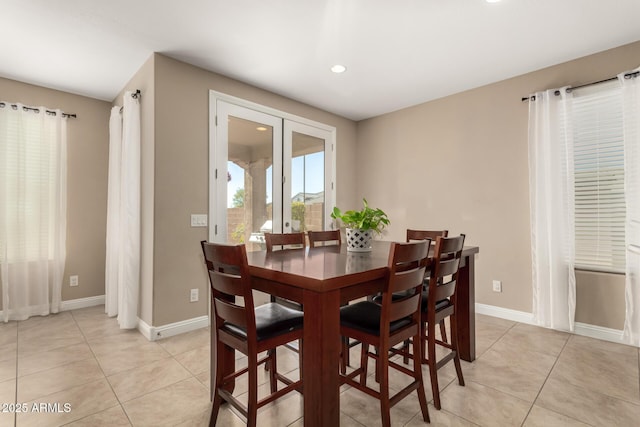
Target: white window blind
{"points": [[599, 178]]}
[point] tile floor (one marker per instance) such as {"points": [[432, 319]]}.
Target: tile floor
{"points": [[523, 376]]}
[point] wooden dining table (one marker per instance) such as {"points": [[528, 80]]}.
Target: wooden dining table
{"points": [[324, 278]]}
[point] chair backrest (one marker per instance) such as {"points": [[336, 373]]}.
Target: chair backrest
{"points": [[284, 241], [425, 234], [406, 273], [444, 269], [324, 237], [229, 278]]}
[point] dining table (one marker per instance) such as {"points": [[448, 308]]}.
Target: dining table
{"points": [[322, 279]]}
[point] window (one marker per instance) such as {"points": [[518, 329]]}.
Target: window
{"points": [[597, 127]]}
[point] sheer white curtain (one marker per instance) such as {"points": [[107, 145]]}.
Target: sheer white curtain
{"points": [[631, 116], [33, 210], [551, 190], [122, 272]]}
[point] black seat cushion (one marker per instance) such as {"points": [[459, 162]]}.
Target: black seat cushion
{"points": [[443, 303], [365, 316], [272, 319], [397, 295]]}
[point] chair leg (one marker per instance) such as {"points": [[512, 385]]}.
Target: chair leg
{"points": [[217, 401], [268, 362], [443, 331], [417, 369], [273, 371], [364, 363], [454, 342], [405, 349], [347, 355], [344, 356], [252, 402], [385, 404], [433, 370], [300, 357]]}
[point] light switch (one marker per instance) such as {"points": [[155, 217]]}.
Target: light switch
{"points": [[198, 220]]}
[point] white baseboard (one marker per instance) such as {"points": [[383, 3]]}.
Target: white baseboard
{"points": [[75, 304], [505, 313], [584, 329], [154, 333]]}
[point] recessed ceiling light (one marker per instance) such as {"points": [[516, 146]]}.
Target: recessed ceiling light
{"points": [[493, 1], [261, 128], [338, 68]]}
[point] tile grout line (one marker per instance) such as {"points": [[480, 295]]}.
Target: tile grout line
{"points": [[101, 370]]}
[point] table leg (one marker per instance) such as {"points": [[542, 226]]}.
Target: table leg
{"points": [[466, 311], [321, 352]]}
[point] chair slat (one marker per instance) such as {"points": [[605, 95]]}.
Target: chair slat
{"points": [[404, 307], [324, 237], [226, 283], [231, 313], [445, 290], [284, 241]]}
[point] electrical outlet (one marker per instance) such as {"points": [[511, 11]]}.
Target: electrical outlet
{"points": [[194, 295], [73, 280], [497, 286]]}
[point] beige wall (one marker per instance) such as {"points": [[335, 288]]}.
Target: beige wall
{"points": [[461, 163], [87, 158], [181, 176]]}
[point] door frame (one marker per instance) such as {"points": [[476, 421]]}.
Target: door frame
{"points": [[216, 190]]}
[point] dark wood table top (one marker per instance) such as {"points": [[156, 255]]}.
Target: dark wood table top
{"points": [[326, 268]]}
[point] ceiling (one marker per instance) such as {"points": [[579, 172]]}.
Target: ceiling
{"points": [[397, 53]]}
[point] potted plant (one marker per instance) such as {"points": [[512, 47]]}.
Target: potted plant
{"points": [[361, 225]]}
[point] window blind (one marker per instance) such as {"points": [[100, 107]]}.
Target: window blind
{"points": [[597, 128]]}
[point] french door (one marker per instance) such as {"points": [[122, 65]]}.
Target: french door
{"points": [[268, 173]]}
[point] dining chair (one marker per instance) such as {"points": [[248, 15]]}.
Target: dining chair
{"points": [[385, 325], [438, 303], [285, 242], [248, 329], [431, 235], [324, 237]]}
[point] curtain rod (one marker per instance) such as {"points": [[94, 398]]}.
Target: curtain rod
{"points": [[134, 95], [557, 92], [37, 110]]}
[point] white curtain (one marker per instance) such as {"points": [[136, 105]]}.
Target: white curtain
{"points": [[33, 210], [122, 272], [631, 116], [551, 192]]}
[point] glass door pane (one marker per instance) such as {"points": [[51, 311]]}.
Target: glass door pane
{"points": [[249, 182], [249, 162], [307, 191], [307, 183]]}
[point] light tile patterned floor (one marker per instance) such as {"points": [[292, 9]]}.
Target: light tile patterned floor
{"points": [[523, 376]]}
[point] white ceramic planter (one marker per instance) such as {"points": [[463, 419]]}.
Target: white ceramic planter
{"points": [[359, 240]]}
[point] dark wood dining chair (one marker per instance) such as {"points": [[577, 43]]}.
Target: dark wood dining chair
{"points": [[284, 241], [317, 238], [385, 325], [431, 235], [248, 329], [438, 303]]}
